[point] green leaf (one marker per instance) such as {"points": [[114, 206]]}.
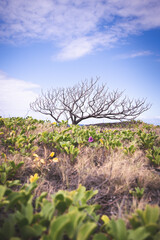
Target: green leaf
{"points": [[39, 229], [151, 214], [80, 194], [85, 230], [63, 203], [8, 228], [27, 211], [47, 210], [67, 149], [22, 150], [58, 227], [117, 229], [139, 234], [40, 199], [89, 194], [21, 219], [3, 177], [59, 196], [19, 164], [12, 163], [34, 148], [76, 219], [14, 197], [29, 232], [2, 191], [13, 183], [61, 207], [152, 228], [100, 236]]}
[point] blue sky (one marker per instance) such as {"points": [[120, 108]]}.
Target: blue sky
{"points": [[48, 43]]}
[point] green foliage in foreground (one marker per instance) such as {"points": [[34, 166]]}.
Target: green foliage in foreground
{"points": [[68, 216]]}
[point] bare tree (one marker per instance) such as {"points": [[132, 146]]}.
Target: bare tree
{"points": [[88, 100]]}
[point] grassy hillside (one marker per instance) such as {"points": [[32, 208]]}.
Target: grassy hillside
{"points": [[120, 162]]}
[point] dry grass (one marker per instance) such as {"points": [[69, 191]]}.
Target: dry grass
{"points": [[111, 172]]}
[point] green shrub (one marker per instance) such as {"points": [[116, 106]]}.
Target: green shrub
{"points": [[154, 155]]}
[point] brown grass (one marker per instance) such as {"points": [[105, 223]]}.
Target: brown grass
{"points": [[111, 172]]}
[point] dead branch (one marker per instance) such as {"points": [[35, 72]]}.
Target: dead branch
{"points": [[88, 100]]}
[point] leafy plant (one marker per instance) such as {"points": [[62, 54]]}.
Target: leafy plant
{"points": [[67, 214], [154, 155], [146, 140], [117, 229], [148, 219], [144, 226], [8, 170], [127, 135], [129, 150], [138, 192], [70, 149], [17, 137], [46, 138]]}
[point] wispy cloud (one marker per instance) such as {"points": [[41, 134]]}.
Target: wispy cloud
{"points": [[75, 49], [15, 95], [135, 55], [76, 27]]}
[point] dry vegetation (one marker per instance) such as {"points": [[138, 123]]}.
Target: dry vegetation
{"points": [[109, 170]]}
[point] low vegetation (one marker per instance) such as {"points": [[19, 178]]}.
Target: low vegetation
{"points": [[71, 182]]}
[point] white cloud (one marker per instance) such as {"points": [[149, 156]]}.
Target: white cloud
{"points": [[75, 49], [82, 46], [76, 27], [15, 96], [134, 55]]}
